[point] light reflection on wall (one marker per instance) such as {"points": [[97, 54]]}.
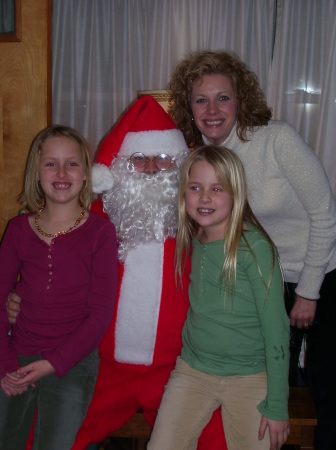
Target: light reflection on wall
{"points": [[306, 96]]}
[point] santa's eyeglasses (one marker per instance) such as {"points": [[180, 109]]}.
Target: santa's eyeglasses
{"points": [[139, 160]]}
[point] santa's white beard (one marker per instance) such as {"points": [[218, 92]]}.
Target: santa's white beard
{"points": [[143, 208]]}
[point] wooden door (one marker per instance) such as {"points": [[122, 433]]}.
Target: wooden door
{"points": [[25, 97]]}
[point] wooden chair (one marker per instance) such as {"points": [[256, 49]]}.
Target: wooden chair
{"points": [[137, 429], [302, 418], [302, 422]]}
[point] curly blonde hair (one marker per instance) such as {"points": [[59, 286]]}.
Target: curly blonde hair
{"points": [[252, 109]]}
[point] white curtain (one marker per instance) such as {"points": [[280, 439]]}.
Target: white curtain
{"points": [[104, 51], [302, 87]]}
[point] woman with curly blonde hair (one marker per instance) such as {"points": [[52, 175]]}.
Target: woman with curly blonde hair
{"points": [[252, 110], [216, 99]]}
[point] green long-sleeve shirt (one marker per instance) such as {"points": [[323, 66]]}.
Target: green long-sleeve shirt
{"points": [[245, 333]]}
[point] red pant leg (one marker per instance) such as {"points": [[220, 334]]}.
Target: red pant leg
{"points": [[121, 390], [112, 405]]}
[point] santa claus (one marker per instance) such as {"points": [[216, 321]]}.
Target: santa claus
{"points": [[137, 168]]}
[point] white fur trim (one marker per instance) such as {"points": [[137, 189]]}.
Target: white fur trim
{"points": [[152, 143], [102, 178], [139, 305]]}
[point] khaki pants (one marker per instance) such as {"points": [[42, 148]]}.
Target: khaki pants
{"points": [[191, 397]]}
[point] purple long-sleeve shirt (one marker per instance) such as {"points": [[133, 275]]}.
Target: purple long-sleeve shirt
{"points": [[68, 290]]}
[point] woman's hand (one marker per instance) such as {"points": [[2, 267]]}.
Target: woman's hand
{"points": [[29, 374], [303, 312], [278, 430]]}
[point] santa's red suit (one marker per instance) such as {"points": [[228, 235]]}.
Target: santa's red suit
{"points": [[135, 384], [142, 343]]}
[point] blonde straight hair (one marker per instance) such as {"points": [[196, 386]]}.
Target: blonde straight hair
{"points": [[231, 176], [32, 195]]}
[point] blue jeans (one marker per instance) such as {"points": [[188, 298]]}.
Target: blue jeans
{"points": [[61, 402]]}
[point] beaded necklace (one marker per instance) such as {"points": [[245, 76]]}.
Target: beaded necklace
{"points": [[59, 233]]}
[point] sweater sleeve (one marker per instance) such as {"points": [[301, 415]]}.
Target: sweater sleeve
{"points": [[9, 269], [274, 327], [305, 173], [100, 305]]}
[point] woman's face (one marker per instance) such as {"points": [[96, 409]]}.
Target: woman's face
{"points": [[214, 107]]}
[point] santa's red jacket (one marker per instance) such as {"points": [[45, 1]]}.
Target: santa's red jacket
{"points": [[140, 347]]}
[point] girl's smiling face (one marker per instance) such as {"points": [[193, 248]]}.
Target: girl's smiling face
{"points": [[61, 169], [206, 202], [214, 107]]}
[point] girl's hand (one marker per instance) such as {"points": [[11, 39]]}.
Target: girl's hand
{"points": [[29, 374], [10, 390], [278, 430]]}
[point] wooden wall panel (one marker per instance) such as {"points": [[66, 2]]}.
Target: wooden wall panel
{"points": [[25, 93]]}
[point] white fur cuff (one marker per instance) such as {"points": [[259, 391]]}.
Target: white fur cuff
{"points": [[102, 178]]}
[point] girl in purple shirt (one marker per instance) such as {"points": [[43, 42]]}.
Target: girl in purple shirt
{"points": [[66, 261]]}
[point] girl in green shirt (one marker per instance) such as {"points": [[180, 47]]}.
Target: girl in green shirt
{"points": [[235, 340]]}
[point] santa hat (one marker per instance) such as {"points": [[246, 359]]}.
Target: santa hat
{"points": [[145, 128]]}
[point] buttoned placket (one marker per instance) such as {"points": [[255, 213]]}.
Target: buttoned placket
{"points": [[50, 264]]}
